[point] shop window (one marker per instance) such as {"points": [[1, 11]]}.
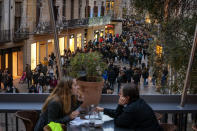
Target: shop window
{"points": [[72, 43], [43, 52], [79, 41], [6, 61], [37, 53], [20, 63], [66, 42], [33, 56], [15, 64], [50, 47], [18, 15], [61, 45], [0, 62]]}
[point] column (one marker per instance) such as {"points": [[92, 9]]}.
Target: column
{"points": [[75, 41], [68, 40], [82, 40]]}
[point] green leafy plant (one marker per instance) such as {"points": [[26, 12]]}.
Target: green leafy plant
{"points": [[90, 65]]}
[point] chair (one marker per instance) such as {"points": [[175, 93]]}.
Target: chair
{"points": [[29, 119], [194, 127], [168, 127], [47, 128]]}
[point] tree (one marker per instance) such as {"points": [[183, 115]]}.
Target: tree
{"points": [[178, 19]]}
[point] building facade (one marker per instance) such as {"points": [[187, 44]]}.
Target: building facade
{"points": [[26, 35]]}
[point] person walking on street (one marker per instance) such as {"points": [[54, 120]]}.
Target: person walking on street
{"points": [[28, 74]]}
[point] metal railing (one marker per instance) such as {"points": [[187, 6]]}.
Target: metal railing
{"points": [[46, 28], [75, 22], [43, 28], [5, 36], [21, 34], [167, 105]]}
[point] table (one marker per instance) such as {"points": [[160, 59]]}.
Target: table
{"points": [[107, 126]]}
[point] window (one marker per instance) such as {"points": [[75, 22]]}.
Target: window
{"points": [[18, 15], [72, 9], [55, 8], [102, 9], [38, 6], [87, 9], [80, 5], [64, 8], [95, 9], [0, 12]]}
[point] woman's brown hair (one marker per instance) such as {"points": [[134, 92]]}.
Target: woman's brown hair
{"points": [[62, 93]]}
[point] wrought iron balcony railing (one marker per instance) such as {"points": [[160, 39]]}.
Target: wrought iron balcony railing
{"points": [[75, 23], [43, 28], [20, 34], [5, 36], [46, 28], [97, 21]]}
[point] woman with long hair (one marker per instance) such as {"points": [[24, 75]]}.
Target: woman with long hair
{"points": [[61, 105]]}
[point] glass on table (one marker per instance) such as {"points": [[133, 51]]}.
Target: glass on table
{"points": [[92, 115]]}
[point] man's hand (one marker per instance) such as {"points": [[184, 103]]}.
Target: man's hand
{"points": [[99, 109], [123, 101], [74, 114]]}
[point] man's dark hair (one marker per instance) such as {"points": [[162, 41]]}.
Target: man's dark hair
{"points": [[132, 91]]}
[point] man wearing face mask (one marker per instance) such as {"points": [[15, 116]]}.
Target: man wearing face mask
{"points": [[132, 111]]}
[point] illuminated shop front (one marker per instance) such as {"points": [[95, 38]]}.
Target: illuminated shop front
{"points": [[72, 43], [109, 29], [12, 59], [41, 50], [79, 41], [98, 34]]}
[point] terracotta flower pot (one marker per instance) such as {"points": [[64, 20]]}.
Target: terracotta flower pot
{"points": [[91, 91]]}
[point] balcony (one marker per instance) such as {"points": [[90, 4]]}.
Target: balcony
{"points": [[5, 36], [74, 23], [43, 28], [98, 21], [21, 34]]}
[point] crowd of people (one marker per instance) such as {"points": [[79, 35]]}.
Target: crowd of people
{"points": [[126, 55]]}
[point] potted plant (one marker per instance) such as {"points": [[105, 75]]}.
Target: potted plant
{"points": [[88, 68]]}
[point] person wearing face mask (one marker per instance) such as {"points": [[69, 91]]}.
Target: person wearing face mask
{"points": [[61, 105], [132, 111]]}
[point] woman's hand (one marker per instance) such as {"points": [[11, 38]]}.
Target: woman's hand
{"points": [[80, 96], [123, 101], [74, 114], [99, 109]]}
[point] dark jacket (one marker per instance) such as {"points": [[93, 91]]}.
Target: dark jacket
{"points": [[54, 113], [137, 115]]}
